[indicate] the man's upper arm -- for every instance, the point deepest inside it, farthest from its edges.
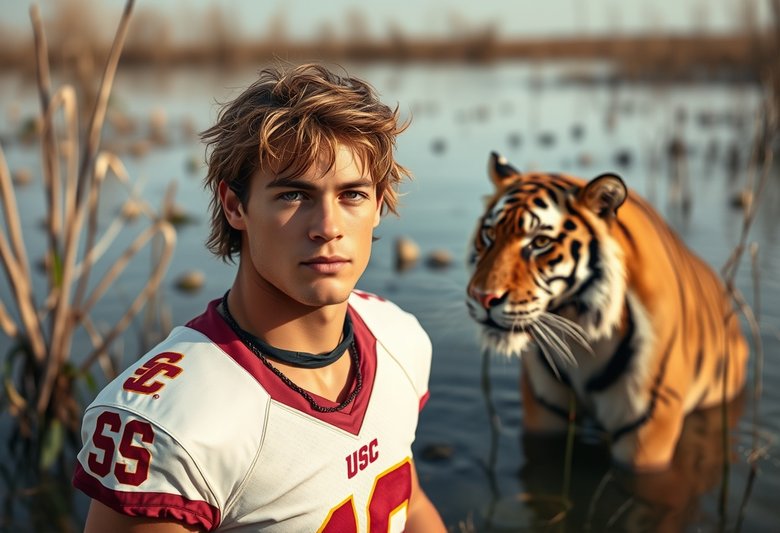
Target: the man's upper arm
(102, 518)
(422, 515)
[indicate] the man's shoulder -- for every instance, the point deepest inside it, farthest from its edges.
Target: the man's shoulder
(389, 323)
(399, 333)
(200, 415)
(370, 304)
(184, 384)
(382, 316)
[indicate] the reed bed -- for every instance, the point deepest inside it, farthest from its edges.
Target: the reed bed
(40, 376)
(756, 179)
(653, 56)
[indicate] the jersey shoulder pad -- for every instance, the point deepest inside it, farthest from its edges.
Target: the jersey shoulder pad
(399, 332)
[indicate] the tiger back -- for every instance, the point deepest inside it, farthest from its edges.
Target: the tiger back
(597, 294)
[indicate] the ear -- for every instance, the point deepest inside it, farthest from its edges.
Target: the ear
(604, 195)
(500, 170)
(231, 206)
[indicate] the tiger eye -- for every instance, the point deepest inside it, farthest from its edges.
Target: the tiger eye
(540, 241)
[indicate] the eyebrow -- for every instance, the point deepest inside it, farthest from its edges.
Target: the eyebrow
(307, 185)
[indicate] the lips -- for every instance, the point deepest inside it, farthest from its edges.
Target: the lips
(326, 264)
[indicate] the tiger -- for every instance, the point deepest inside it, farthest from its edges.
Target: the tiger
(604, 304)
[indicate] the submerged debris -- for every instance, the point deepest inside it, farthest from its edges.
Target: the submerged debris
(190, 281)
(439, 259)
(437, 452)
(406, 253)
(21, 177)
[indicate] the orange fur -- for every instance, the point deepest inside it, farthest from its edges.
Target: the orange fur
(661, 325)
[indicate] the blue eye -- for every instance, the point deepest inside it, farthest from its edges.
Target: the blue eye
(291, 196)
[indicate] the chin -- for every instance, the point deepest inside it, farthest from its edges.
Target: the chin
(326, 294)
(506, 343)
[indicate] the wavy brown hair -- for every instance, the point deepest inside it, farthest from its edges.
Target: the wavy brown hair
(284, 123)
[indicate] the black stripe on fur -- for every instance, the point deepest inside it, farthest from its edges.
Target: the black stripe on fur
(618, 363)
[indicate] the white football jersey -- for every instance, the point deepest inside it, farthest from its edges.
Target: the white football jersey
(200, 431)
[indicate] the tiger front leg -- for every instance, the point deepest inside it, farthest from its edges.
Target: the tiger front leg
(648, 444)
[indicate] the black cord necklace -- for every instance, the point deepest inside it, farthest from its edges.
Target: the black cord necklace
(248, 340)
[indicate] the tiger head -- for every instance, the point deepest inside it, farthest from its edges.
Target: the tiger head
(544, 265)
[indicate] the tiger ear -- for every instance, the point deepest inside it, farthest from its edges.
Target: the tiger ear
(604, 195)
(500, 170)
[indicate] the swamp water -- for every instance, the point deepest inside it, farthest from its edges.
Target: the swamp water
(472, 459)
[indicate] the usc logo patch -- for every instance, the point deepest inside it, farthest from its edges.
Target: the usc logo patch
(143, 379)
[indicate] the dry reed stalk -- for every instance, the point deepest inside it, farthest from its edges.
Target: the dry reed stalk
(765, 132)
(40, 392)
(753, 319)
(6, 323)
(729, 269)
(50, 159)
(99, 111)
(495, 429)
(61, 334)
(16, 267)
(754, 325)
(106, 363)
(169, 235)
(600, 488)
(104, 163)
(95, 250)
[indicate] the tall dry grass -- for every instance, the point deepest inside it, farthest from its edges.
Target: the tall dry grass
(756, 177)
(659, 55)
(40, 375)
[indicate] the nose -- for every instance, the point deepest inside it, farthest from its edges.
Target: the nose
(489, 299)
(326, 223)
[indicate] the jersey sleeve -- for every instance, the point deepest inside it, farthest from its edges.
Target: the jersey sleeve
(175, 434)
(136, 468)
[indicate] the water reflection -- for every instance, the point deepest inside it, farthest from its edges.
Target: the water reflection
(572, 485)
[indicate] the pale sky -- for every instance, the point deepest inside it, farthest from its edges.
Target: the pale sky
(512, 18)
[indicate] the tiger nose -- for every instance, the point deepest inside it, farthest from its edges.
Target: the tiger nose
(490, 299)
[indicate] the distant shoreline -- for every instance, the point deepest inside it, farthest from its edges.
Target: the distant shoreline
(723, 57)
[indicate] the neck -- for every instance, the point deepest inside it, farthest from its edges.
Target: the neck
(266, 312)
(599, 305)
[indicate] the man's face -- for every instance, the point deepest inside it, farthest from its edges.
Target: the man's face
(309, 238)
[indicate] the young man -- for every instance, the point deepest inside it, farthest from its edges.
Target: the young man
(290, 404)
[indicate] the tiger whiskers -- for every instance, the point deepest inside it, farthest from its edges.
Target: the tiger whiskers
(554, 335)
(539, 335)
(548, 332)
(546, 337)
(568, 327)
